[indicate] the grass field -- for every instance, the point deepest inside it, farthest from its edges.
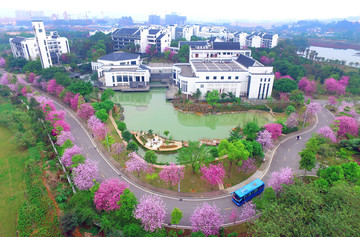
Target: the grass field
(11, 182)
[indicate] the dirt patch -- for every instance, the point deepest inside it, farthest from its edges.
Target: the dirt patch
(48, 190)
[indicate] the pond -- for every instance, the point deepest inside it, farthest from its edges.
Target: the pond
(150, 110)
(349, 55)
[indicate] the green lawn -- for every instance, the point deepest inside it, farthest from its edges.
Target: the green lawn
(11, 182)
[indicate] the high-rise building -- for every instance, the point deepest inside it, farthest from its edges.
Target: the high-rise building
(154, 20)
(48, 48)
(175, 19)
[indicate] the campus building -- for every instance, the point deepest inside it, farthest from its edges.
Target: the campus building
(140, 38)
(224, 67)
(46, 47)
(121, 69)
(256, 39)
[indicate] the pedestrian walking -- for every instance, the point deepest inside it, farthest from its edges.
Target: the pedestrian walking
(297, 137)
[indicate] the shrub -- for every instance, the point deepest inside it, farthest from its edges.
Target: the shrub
(121, 126)
(132, 146)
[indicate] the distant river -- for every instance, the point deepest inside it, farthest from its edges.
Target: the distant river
(349, 55)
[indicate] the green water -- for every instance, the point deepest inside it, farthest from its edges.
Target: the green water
(150, 110)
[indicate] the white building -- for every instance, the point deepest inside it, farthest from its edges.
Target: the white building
(121, 69)
(256, 39)
(105, 31)
(225, 68)
(46, 47)
(141, 38)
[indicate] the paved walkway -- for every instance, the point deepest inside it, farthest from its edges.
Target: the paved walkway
(285, 154)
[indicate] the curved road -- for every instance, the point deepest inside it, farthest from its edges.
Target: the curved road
(284, 155)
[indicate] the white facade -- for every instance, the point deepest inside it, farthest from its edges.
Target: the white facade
(40, 36)
(121, 69)
(257, 39)
(46, 47)
(242, 75)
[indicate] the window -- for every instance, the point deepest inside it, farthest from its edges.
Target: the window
(237, 77)
(201, 86)
(222, 77)
(125, 78)
(40, 30)
(207, 77)
(119, 78)
(229, 77)
(130, 78)
(261, 79)
(214, 77)
(142, 78)
(113, 78)
(137, 78)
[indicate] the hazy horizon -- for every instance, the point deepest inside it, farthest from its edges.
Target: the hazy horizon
(231, 11)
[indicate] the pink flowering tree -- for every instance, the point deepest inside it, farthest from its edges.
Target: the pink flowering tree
(66, 159)
(345, 125)
(274, 129)
(248, 166)
(85, 174)
(68, 96)
(313, 108)
(206, 218)
(151, 211)
(277, 75)
(292, 121)
(334, 86)
(47, 106)
(214, 174)
(172, 174)
(283, 177)
(97, 127)
(264, 138)
(85, 111)
(347, 109)
(60, 126)
(55, 115)
(58, 90)
(309, 87)
(31, 77)
(233, 216)
(74, 102)
(284, 96)
(248, 212)
(51, 86)
(4, 80)
(136, 163)
(108, 195)
(2, 62)
(43, 85)
(117, 148)
(63, 137)
(332, 101)
(327, 132)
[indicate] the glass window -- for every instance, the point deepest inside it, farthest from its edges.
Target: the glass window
(130, 78)
(261, 79)
(201, 86)
(237, 77)
(214, 77)
(125, 78)
(222, 77)
(229, 77)
(119, 78)
(207, 77)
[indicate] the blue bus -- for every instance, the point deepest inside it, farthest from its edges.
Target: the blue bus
(248, 192)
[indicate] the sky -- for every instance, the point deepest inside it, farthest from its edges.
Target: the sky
(217, 10)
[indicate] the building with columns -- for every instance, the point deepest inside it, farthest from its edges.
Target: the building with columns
(224, 67)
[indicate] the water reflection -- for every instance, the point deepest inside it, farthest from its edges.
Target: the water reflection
(150, 110)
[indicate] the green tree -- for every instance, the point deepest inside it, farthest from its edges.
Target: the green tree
(107, 94)
(33, 66)
(126, 135)
(132, 146)
(62, 79)
(176, 216)
(297, 96)
(250, 130)
(308, 160)
(235, 151)
(150, 156)
(121, 125)
(290, 109)
(197, 94)
(266, 198)
(285, 85)
(212, 98)
(133, 230)
(102, 115)
(127, 204)
(81, 87)
(184, 53)
(194, 155)
(166, 133)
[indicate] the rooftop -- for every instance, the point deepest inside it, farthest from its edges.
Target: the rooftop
(193, 44)
(186, 70)
(119, 56)
(217, 66)
(246, 61)
(153, 31)
(226, 46)
(17, 39)
(126, 31)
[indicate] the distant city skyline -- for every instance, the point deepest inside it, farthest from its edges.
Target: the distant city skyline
(227, 11)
